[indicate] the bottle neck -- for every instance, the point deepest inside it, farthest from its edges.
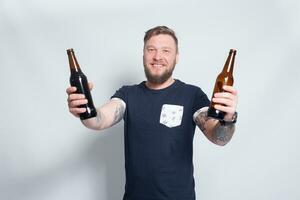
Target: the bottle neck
(74, 66)
(229, 64)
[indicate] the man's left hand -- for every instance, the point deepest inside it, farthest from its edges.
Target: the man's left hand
(226, 101)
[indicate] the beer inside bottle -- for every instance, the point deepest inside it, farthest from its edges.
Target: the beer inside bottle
(79, 80)
(224, 78)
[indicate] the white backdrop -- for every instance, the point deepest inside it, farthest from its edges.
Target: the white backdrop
(47, 154)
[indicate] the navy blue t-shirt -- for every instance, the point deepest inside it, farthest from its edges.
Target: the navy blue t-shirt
(158, 132)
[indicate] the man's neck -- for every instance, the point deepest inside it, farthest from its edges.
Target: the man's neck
(155, 86)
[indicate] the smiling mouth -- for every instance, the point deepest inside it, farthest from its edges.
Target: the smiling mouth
(157, 65)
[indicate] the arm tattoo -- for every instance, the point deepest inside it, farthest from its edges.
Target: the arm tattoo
(221, 135)
(218, 134)
(201, 119)
(119, 112)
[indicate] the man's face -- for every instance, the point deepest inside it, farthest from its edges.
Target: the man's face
(160, 57)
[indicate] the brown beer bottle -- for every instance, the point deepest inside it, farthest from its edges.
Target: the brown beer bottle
(224, 78)
(79, 80)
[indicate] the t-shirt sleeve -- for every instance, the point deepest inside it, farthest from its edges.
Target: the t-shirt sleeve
(200, 100)
(121, 94)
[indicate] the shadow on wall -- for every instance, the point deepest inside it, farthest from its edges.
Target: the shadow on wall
(102, 162)
(99, 164)
(108, 151)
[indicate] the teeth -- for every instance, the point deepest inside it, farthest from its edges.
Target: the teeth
(157, 65)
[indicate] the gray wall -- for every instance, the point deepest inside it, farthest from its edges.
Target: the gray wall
(47, 154)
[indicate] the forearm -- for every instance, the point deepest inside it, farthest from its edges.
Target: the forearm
(213, 129)
(107, 115)
(95, 123)
(222, 134)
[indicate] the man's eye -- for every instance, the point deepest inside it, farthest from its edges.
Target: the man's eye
(150, 50)
(166, 50)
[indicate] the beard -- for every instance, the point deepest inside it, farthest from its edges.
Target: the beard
(159, 79)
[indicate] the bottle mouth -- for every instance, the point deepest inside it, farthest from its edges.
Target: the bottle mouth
(70, 50)
(232, 51)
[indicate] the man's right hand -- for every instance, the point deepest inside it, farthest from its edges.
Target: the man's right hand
(75, 100)
(107, 115)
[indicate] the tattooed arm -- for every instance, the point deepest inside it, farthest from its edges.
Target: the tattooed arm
(216, 132)
(107, 115)
(212, 128)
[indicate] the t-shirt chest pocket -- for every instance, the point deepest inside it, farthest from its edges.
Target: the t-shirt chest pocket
(171, 115)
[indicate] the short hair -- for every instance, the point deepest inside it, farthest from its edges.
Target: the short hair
(160, 30)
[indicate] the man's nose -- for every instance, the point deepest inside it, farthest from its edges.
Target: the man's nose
(157, 55)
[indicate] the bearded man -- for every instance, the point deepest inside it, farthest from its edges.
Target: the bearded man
(160, 116)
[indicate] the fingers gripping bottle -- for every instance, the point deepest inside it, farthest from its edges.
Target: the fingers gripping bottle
(224, 78)
(79, 80)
